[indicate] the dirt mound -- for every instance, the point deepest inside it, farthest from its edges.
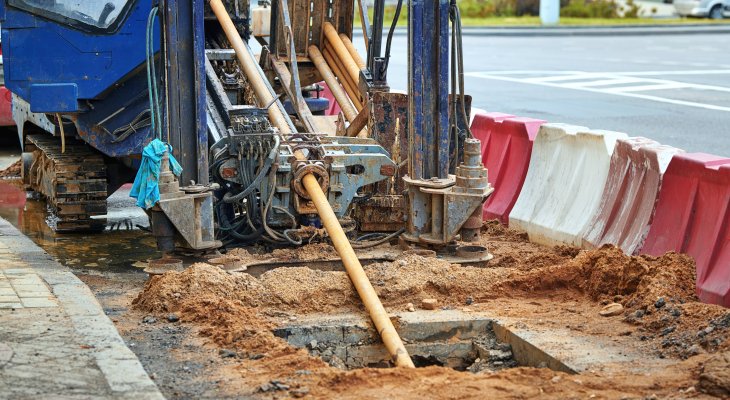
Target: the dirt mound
(496, 230)
(607, 273)
(715, 376)
(12, 171)
(306, 290)
(168, 292)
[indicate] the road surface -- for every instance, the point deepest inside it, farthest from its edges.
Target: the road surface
(674, 89)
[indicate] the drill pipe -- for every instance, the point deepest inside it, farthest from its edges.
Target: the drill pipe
(343, 78)
(353, 51)
(347, 108)
(341, 51)
(352, 265)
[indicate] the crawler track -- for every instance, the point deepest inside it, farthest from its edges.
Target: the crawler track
(73, 182)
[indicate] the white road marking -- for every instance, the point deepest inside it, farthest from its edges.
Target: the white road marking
(644, 88)
(599, 82)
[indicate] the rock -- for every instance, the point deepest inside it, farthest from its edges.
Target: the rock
(639, 313)
(256, 356)
(611, 309)
(660, 302)
(429, 304)
(299, 393)
(666, 331)
(313, 345)
(715, 376)
(225, 353)
(336, 362)
(410, 307)
(292, 318)
(173, 318)
(149, 320)
(469, 301)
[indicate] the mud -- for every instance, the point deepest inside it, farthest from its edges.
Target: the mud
(547, 287)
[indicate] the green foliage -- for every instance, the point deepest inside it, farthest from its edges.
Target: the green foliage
(486, 9)
(591, 9)
(631, 9)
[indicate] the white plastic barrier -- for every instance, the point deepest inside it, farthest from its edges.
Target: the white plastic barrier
(630, 196)
(564, 183)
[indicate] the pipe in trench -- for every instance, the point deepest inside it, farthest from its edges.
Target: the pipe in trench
(354, 269)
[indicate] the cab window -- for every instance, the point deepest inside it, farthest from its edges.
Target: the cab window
(104, 15)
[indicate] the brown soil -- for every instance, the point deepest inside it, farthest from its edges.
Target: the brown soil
(558, 287)
(12, 171)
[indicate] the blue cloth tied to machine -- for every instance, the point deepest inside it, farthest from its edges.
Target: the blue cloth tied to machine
(146, 188)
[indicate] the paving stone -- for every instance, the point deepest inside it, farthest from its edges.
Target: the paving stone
(35, 302)
(63, 345)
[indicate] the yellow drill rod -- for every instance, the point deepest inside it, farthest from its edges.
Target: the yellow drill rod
(342, 53)
(353, 51)
(329, 77)
(347, 108)
(352, 265)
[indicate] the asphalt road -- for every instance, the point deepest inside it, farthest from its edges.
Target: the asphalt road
(674, 89)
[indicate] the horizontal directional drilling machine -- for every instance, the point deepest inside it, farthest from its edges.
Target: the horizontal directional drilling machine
(247, 155)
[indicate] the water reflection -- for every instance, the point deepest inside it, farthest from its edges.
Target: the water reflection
(111, 249)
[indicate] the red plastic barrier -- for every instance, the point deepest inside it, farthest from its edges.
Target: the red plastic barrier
(6, 109)
(334, 108)
(506, 148)
(630, 195)
(693, 217)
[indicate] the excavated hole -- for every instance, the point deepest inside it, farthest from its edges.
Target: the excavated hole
(452, 341)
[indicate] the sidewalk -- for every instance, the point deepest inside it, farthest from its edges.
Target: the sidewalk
(55, 340)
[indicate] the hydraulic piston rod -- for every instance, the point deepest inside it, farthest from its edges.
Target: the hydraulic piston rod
(352, 265)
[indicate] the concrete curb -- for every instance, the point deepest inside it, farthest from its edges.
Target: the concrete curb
(611, 30)
(124, 374)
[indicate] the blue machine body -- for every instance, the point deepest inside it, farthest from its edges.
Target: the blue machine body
(95, 78)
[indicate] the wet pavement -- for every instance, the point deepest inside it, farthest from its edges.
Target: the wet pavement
(122, 246)
(55, 340)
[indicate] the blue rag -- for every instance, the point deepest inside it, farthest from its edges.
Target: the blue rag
(146, 187)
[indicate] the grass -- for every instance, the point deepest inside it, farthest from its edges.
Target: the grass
(527, 21)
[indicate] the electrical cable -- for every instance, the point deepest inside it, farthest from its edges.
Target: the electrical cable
(384, 68)
(356, 245)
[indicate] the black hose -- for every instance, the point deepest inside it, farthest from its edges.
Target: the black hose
(356, 245)
(388, 42)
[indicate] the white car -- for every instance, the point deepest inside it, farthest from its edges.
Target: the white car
(714, 9)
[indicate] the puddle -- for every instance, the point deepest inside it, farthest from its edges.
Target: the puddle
(117, 248)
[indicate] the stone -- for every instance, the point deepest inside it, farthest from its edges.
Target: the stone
(299, 393)
(313, 345)
(469, 301)
(410, 307)
(429, 304)
(660, 302)
(173, 318)
(666, 331)
(611, 310)
(149, 320)
(225, 353)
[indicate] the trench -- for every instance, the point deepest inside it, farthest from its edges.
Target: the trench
(443, 338)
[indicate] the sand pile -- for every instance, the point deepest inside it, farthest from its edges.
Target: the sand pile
(201, 282)
(607, 273)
